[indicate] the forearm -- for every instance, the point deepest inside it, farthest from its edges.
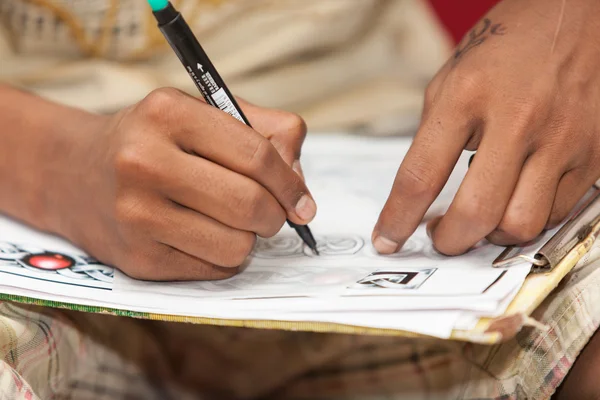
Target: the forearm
(36, 137)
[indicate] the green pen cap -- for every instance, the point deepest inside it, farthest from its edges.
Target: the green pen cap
(158, 5)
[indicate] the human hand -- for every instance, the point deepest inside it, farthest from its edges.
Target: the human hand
(523, 89)
(174, 189)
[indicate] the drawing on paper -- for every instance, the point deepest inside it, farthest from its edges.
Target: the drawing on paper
(334, 245)
(281, 246)
(284, 279)
(46, 265)
(395, 279)
(337, 245)
(291, 246)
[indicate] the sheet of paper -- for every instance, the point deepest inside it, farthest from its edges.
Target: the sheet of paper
(427, 322)
(350, 178)
(325, 278)
(34, 260)
(466, 321)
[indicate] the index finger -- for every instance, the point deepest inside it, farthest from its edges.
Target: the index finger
(218, 137)
(285, 130)
(422, 174)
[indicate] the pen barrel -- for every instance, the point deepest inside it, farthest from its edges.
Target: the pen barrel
(204, 74)
(196, 62)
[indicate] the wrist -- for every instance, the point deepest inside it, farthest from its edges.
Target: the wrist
(40, 149)
(60, 169)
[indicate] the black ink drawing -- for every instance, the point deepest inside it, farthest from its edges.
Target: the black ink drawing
(42, 264)
(340, 246)
(390, 279)
(478, 35)
(336, 246)
(291, 246)
(281, 246)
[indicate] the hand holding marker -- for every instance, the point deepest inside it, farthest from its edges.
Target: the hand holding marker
(205, 76)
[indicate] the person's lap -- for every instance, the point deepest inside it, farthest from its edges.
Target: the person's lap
(582, 380)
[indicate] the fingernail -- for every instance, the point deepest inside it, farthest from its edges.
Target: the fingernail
(306, 208)
(297, 167)
(384, 245)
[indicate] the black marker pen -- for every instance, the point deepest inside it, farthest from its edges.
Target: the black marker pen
(205, 76)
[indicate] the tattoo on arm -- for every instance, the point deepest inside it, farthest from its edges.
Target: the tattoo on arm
(478, 35)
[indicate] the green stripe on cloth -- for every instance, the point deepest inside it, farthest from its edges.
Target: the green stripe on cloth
(74, 307)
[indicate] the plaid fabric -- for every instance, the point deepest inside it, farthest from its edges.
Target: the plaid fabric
(57, 354)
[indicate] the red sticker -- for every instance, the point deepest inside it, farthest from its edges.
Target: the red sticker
(49, 261)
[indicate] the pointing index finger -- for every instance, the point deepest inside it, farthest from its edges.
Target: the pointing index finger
(422, 175)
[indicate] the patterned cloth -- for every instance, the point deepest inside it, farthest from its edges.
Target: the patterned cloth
(359, 65)
(57, 354)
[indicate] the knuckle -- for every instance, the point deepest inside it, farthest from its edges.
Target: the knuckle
(519, 227)
(261, 157)
(156, 104)
(416, 180)
(133, 161)
(240, 248)
(129, 159)
(466, 84)
(275, 226)
(250, 203)
(294, 124)
(480, 212)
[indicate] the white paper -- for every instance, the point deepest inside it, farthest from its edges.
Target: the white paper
(433, 323)
(416, 289)
(466, 321)
(350, 178)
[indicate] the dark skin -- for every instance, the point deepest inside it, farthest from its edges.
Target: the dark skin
(522, 89)
(139, 191)
(532, 123)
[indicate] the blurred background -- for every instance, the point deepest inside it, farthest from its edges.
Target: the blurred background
(359, 66)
